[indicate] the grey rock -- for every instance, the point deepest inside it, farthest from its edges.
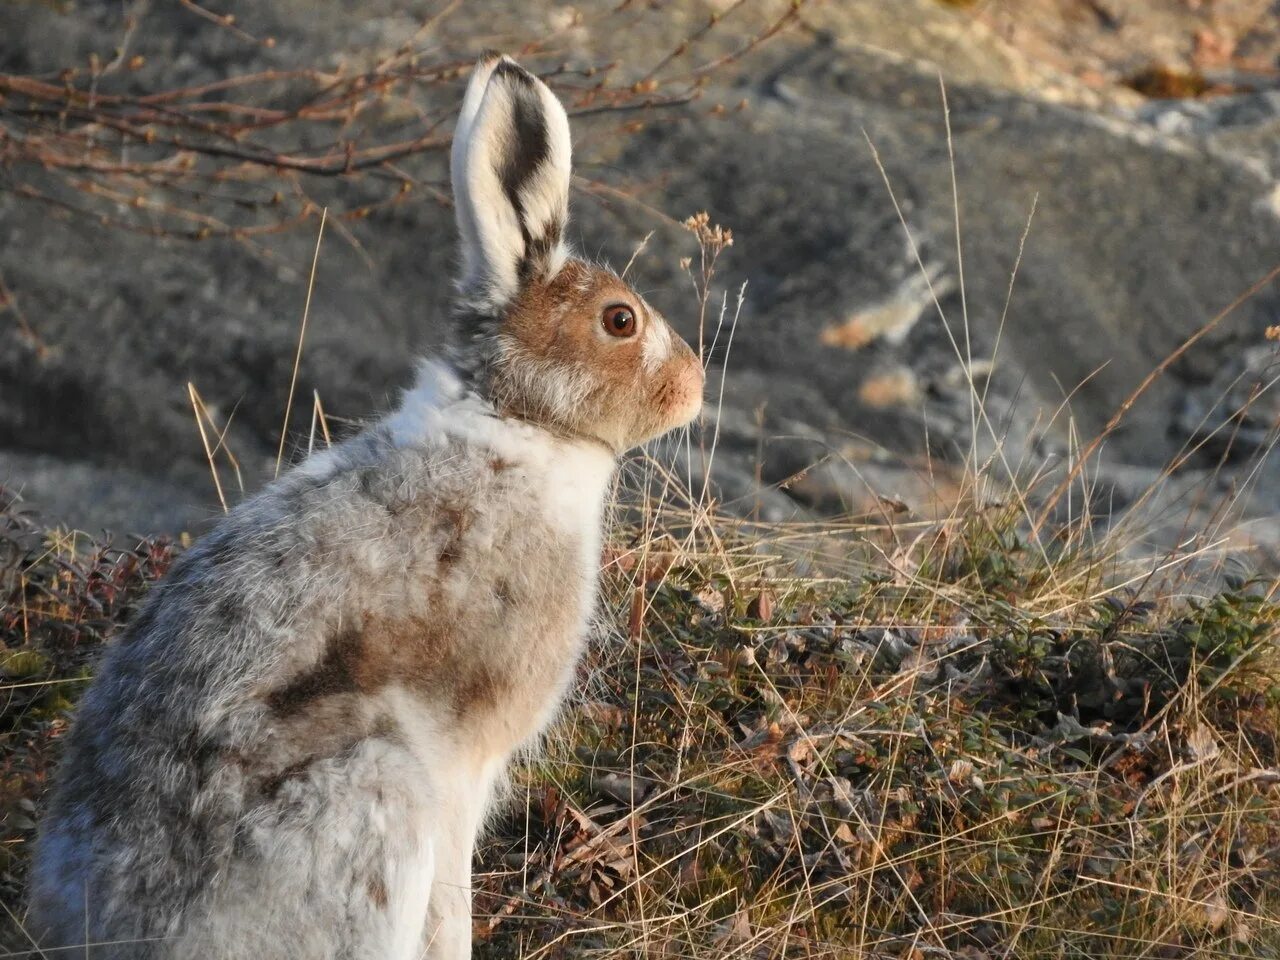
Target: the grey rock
(1148, 222)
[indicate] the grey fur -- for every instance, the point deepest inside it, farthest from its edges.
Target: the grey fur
(197, 746)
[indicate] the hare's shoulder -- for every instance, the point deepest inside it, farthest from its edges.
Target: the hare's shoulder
(466, 587)
(374, 567)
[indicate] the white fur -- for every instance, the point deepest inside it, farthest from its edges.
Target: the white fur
(569, 479)
(658, 344)
(494, 258)
(489, 225)
(420, 414)
(544, 198)
(571, 475)
(463, 205)
(554, 387)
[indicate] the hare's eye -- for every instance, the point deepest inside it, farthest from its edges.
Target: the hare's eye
(619, 321)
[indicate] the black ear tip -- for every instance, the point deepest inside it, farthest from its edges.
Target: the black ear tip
(487, 57)
(509, 70)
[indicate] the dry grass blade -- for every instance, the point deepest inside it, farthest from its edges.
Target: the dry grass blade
(1158, 371)
(302, 335)
(319, 419)
(202, 414)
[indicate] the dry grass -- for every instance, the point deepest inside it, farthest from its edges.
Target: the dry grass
(845, 740)
(819, 743)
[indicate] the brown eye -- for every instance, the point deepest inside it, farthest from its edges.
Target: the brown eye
(619, 321)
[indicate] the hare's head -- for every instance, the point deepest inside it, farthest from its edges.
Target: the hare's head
(551, 338)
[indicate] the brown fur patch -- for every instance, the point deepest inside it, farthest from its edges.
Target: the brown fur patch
(479, 690)
(327, 726)
(415, 652)
(329, 729)
(558, 320)
(454, 523)
(336, 673)
(503, 591)
(500, 464)
(378, 892)
(271, 784)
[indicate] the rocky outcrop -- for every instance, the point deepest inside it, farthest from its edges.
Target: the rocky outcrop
(859, 345)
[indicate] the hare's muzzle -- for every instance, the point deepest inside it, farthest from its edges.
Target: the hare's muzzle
(681, 392)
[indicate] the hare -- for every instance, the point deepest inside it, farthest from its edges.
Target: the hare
(289, 753)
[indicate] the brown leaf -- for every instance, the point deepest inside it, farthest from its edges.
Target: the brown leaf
(624, 558)
(635, 620)
(761, 606)
(657, 565)
(551, 805)
(710, 599)
(766, 738)
(800, 749)
(618, 786)
(608, 715)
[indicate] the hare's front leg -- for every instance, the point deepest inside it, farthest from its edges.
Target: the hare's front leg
(449, 910)
(448, 933)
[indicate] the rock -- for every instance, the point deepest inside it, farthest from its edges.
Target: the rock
(847, 382)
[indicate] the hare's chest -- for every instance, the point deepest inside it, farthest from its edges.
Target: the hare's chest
(529, 552)
(508, 597)
(513, 644)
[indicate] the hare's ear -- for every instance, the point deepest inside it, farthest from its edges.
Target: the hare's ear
(510, 180)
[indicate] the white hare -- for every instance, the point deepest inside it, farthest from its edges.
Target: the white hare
(290, 751)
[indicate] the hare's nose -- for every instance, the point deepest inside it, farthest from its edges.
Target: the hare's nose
(685, 354)
(688, 381)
